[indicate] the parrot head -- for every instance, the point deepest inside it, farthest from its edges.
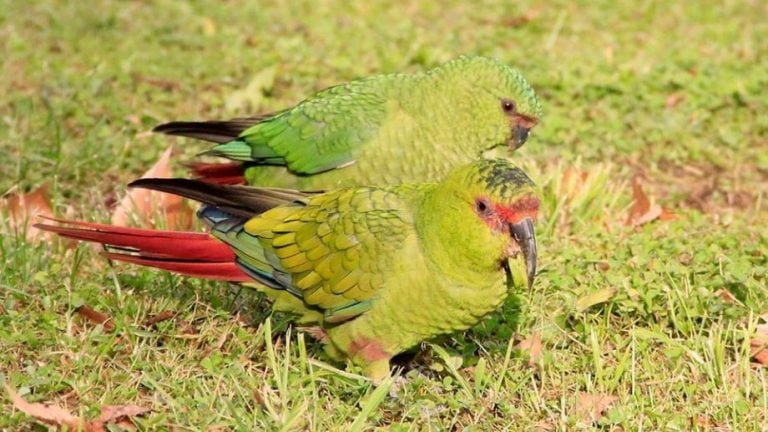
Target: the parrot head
(506, 203)
(491, 205)
(501, 94)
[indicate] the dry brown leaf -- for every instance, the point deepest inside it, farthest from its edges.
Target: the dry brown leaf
(726, 295)
(544, 426)
(49, 414)
(667, 215)
(154, 209)
(532, 346)
(520, 20)
(164, 84)
(160, 317)
(60, 417)
(758, 346)
(133, 119)
(120, 413)
(22, 209)
(674, 99)
(96, 317)
(591, 408)
(573, 180)
(705, 422)
(642, 210)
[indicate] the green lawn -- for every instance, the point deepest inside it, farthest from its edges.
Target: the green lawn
(671, 94)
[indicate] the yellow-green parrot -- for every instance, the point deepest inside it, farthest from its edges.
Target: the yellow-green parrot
(378, 269)
(386, 129)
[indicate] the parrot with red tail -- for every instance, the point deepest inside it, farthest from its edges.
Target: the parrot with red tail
(377, 269)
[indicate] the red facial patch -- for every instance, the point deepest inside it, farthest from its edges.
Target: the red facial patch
(367, 349)
(525, 208)
(525, 121)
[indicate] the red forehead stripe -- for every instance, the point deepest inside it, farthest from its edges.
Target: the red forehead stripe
(514, 213)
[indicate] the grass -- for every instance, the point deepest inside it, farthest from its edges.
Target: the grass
(673, 94)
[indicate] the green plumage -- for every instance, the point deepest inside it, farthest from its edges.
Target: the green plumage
(380, 269)
(387, 129)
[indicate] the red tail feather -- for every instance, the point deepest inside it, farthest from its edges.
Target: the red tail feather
(219, 173)
(187, 253)
(226, 271)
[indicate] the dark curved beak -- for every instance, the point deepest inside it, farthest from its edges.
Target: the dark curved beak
(519, 136)
(525, 237)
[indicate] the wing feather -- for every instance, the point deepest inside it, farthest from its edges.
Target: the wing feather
(325, 255)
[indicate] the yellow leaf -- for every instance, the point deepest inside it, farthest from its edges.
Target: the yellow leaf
(209, 27)
(595, 298)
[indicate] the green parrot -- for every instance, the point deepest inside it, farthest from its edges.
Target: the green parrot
(386, 129)
(376, 269)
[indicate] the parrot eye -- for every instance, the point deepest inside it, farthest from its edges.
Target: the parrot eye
(483, 207)
(508, 106)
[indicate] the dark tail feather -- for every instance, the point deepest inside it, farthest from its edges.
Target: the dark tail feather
(215, 131)
(187, 253)
(219, 173)
(241, 201)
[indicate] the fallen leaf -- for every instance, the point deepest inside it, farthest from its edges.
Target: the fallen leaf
(642, 210)
(705, 422)
(21, 210)
(591, 408)
(209, 27)
(595, 298)
(758, 345)
(520, 20)
(60, 417)
(49, 414)
(544, 426)
(187, 328)
(164, 84)
(120, 413)
(160, 317)
(532, 346)
(96, 317)
(667, 215)
(726, 295)
(133, 119)
(572, 182)
(154, 209)
(603, 266)
(674, 100)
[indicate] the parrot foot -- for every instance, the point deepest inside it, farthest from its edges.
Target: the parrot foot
(377, 370)
(317, 333)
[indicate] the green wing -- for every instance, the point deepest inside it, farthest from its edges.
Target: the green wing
(319, 134)
(334, 252)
